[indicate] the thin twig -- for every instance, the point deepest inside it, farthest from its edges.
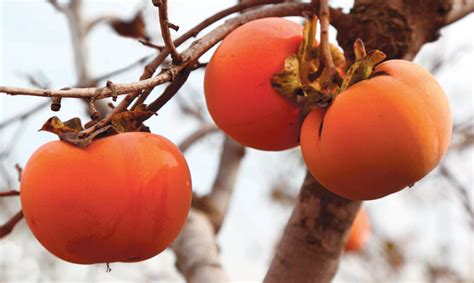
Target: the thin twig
(324, 47)
(7, 228)
(122, 70)
(462, 191)
(170, 91)
(152, 45)
(150, 69)
(165, 26)
(12, 193)
(196, 50)
(24, 115)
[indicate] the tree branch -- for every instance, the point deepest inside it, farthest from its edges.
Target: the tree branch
(11, 193)
(314, 236)
(324, 47)
(216, 203)
(7, 228)
(165, 29)
(462, 192)
(460, 9)
(203, 131)
(197, 253)
(196, 50)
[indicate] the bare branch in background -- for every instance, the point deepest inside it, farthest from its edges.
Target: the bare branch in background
(152, 45)
(197, 253)
(200, 133)
(113, 73)
(462, 192)
(216, 203)
(23, 115)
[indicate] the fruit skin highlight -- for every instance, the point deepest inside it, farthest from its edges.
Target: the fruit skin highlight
(359, 233)
(123, 198)
(237, 86)
(379, 135)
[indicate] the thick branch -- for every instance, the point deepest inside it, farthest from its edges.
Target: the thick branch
(398, 28)
(197, 253)
(460, 9)
(218, 199)
(314, 236)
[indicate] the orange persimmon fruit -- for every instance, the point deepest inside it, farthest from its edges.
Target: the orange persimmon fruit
(379, 135)
(124, 198)
(359, 233)
(238, 90)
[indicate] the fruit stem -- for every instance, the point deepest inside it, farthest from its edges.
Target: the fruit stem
(305, 49)
(363, 65)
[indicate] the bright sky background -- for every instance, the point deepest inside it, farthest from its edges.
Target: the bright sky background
(34, 40)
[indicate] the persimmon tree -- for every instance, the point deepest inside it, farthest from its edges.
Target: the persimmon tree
(316, 233)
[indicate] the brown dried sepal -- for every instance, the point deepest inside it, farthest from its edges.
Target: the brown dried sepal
(363, 66)
(70, 131)
(303, 80)
(130, 121)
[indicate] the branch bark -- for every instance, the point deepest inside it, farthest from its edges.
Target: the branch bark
(396, 27)
(197, 49)
(314, 236)
(165, 29)
(11, 193)
(196, 249)
(7, 228)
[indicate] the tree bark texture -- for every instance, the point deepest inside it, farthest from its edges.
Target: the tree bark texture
(314, 236)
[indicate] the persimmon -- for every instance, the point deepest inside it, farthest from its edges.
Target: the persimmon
(237, 86)
(359, 233)
(379, 135)
(123, 198)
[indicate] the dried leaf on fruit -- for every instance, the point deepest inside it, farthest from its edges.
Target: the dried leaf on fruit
(130, 121)
(70, 131)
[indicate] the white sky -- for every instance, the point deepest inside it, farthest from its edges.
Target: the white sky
(34, 39)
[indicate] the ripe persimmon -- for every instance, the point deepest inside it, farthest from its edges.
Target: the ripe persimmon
(359, 233)
(123, 198)
(379, 135)
(238, 89)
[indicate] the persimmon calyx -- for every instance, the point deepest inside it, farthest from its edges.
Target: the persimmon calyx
(303, 80)
(72, 130)
(363, 65)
